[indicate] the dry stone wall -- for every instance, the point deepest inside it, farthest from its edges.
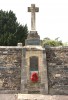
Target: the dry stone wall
(10, 69)
(57, 63)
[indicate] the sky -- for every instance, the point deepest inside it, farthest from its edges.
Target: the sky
(51, 20)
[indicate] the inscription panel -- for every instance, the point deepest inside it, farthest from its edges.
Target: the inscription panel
(33, 63)
(32, 42)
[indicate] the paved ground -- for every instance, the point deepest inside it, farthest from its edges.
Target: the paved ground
(41, 97)
(32, 97)
(8, 97)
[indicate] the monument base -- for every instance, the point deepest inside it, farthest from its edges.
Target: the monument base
(33, 38)
(34, 55)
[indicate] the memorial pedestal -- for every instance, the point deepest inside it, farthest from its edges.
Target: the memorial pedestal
(33, 38)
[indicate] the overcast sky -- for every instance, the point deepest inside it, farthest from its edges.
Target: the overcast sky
(51, 20)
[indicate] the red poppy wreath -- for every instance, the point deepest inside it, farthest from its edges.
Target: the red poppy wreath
(34, 77)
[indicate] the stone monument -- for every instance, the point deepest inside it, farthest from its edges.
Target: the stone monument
(33, 9)
(32, 68)
(35, 60)
(33, 37)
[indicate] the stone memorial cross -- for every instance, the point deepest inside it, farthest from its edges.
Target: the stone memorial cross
(33, 9)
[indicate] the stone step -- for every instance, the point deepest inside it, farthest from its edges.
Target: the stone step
(32, 97)
(41, 97)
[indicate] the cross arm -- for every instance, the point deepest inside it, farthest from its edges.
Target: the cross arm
(29, 9)
(36, 9)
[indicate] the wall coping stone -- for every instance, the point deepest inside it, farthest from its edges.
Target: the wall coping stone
(35, 47)
(11, 47)
(57, 47)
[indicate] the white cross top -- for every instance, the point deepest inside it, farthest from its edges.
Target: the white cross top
(33, 9)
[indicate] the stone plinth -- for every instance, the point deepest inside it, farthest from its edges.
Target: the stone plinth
(42, 86)
(33, 38)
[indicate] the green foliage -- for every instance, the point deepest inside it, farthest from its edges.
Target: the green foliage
(49, 42)
(11, 32)
(65, 44)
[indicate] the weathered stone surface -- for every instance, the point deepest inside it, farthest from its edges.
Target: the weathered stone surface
(33, 10)
(42, 85)
(41, 97)
(33, 38)
(10, 69)
(15, 73)
(32, 42)
(33, 35)
(8, 97)
(57, 63)
(32, 97)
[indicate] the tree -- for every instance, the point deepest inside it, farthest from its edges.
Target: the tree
(11, 32)
(49, 42)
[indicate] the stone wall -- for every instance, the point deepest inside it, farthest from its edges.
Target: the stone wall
(14, 69)
(57, 63)
(10, 69)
